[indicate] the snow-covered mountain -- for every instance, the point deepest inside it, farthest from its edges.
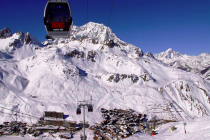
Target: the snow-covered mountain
(94, 64)
(18, 45)
(197, 64)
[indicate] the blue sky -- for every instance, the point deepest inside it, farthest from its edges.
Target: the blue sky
(152, 25)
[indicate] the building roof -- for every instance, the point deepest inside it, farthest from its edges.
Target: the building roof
(48, 127)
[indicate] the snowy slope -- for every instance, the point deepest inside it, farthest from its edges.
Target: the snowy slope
(18, 45)
(114, 73)
(197, 64)
(198, 129)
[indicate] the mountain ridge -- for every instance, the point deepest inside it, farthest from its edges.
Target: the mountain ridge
(114, 73)
(196, 64)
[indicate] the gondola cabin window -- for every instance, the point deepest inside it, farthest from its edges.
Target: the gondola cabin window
(57, 16)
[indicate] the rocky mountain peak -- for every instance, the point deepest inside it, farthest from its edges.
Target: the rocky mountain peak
(197, 64)
(149, 54)
(169, 50)
(204, 54)
(27, 38)
(168, 54)
(6, 32)
(112, 73)
(20, 33)
(96, 31)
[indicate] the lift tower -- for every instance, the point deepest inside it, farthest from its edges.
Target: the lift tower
(83, 104)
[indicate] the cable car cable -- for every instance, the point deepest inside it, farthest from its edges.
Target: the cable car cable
(103, 42)
(17, 115)
(7, 113)
(85, 39)
(110, 12)
(104, 38)
(19, 112)
(87, 12)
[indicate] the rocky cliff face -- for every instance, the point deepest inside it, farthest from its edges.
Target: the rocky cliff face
(18, 45)
(149, 54)
(27, 38)
(5, 33)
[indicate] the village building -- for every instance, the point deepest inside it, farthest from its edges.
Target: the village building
(97, 137)
(107, 136)
(120, 123)
(1, 133)
(6, 123)
(52, 114)
(50, 128)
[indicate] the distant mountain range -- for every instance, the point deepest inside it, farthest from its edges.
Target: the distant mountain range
(94, 63)
(197, 64)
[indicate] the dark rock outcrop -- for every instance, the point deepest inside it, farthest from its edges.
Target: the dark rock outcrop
(91, 55)
(139, 52)
(117, 77)
(95, 41)
(123, 76)
(82, 38)
(114, 78)
(20, 33)
(111, 43)
(27, 39)
(16, 43)
(134, 78)
(146, 77)
(6, 32)
(72, 39)
(75, 53)
(149, 54)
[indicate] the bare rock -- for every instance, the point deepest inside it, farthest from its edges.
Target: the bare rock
(27, 38)
(123, 76)
(139, 52)
(109, 43)
(149, 54)
(91, 55)
(6, 32)
(114, 78)
(75, 53)
(20, 33)
(15, 43)
(82, 38)
(134, 78)
(95, 41)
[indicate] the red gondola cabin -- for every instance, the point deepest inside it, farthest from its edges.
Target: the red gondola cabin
(78, 111)
(90, 108)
